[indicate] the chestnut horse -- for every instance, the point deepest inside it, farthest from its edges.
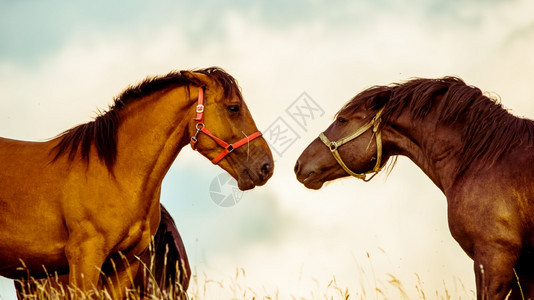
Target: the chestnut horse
(479, 155)
(77, 201)
(164, 267)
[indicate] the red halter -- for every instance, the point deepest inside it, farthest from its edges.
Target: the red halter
(228, 148)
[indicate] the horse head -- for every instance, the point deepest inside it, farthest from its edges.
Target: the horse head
(224, 132)
(351, 145)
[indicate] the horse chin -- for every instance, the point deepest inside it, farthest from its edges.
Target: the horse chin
(244, 186)
(246, 182)
(313, 185)
(311, 181)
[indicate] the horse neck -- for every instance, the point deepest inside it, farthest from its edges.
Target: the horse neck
(431, 147)
(153, 130)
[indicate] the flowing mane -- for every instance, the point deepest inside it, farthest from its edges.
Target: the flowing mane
(102, 131)
(488, 129)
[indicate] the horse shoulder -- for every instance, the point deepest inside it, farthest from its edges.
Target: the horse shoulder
(489, 206)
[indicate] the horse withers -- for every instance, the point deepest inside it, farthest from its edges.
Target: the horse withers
(478, 154)
(75, 202)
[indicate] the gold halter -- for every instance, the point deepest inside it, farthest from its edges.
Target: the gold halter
(333, 145)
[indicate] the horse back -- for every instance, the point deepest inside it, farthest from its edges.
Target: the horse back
(29, 215)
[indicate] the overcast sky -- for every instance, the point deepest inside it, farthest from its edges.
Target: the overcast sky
(60, 62)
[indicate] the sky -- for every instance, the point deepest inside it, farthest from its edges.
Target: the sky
(61, 62)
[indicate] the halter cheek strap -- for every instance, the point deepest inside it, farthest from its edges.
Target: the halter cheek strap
(334, 145)
(228, 148)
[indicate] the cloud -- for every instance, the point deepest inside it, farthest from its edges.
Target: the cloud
(257, 220)
(78, 60)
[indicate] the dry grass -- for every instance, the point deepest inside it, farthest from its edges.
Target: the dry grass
(54, 288)
(390, 287)
(236, 286)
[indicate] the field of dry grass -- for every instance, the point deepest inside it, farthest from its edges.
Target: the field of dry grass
(237, 286)
(389, 287)
(366, 284)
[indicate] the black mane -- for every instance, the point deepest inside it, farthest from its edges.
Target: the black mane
(102, 131)
(489, 130)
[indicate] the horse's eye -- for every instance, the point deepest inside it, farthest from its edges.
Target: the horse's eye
(341, 120)
(233, 108)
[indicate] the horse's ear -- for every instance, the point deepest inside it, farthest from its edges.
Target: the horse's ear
(198, 79)
(381, 98)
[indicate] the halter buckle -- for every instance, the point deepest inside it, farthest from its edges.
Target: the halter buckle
(200, 108)
(230, 148)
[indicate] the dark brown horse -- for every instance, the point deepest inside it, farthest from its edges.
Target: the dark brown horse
(77, 201)
(478, 154)
(164, 268)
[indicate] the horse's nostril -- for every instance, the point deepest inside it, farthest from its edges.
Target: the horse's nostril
(297, 167)
(266, 169)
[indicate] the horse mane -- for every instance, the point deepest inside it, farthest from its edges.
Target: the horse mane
(102, 131)
(488, 129)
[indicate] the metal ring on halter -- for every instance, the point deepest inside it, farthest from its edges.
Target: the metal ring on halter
(333, 146)
(199, 127)
(200, 108)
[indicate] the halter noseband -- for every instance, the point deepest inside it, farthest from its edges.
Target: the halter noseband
(228, 148)
(333, 145)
